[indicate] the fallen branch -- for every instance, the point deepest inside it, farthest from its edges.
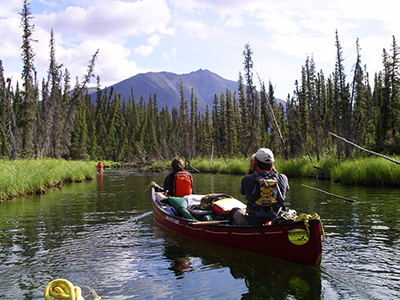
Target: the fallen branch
(160, 156)
(193, 168)
(333, 195)
(369, 151)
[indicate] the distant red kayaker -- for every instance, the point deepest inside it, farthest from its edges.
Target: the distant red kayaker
(99, 166)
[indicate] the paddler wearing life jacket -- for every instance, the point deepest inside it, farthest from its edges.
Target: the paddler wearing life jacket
(264, 188)
(99, 166)
(179, 182)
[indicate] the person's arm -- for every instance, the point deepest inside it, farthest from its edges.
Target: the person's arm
(241, 187)
(283, 185)
(168, 183)
(240, 190)
(251, 169)
(191, 181)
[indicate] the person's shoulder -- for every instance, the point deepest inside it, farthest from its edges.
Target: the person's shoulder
(249, 177)
(282, 178)
(281, 175)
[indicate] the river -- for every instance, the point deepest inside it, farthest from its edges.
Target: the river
(102, 234)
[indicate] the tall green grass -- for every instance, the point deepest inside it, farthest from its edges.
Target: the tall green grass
(297, 167)
(364, 171)
(367, 171)
(21, 177)
(221, 165)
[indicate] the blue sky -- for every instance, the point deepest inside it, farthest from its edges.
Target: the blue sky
(182, 36)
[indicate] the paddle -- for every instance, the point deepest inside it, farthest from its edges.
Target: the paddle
(209, 222)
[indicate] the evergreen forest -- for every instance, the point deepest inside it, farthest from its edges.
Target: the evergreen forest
(56, 118)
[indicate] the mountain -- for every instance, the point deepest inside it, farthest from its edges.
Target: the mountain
(205, 85)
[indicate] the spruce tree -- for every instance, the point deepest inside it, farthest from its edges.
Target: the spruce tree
(4, 115)
(78, 149)
(395, 94)
(207, 133)
(150, 139)
(216, 125)
(252, 103)
(359, 113)
(192, 126)
(231, 140)
(29, 94)
(183, 125)
(342, 99)
(244, 117)
(303, 116)
(50, 108)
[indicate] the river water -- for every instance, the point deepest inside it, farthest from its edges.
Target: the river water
(102, 234)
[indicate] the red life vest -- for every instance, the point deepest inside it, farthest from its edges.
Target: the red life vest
(183, 184)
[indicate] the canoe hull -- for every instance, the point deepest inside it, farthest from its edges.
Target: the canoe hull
(289, 241)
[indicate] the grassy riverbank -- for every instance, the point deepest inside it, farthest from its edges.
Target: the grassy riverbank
(23, 177)
(20, 177)
(365, 171)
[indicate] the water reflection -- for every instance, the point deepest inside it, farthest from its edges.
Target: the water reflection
(264, 277)
(180, 260)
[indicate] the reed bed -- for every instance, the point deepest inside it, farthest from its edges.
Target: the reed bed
(367, 171)
(374, 171)
(20, 177)
(221, 165)
(295, 168)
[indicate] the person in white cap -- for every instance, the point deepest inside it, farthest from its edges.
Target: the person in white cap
(252, 166)
(264, 188)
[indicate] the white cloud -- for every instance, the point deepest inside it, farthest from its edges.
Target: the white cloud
(111, 20)
(171, 56)
(112, 64)
(281, 34)
(81, 30)
(8, 8)
(194, 29)
(235, 20)
(11, 38)
(144, 50)
(154, 40)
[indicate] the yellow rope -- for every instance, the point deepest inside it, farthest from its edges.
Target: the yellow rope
(306, 219)
(152, 184)
(63, 289)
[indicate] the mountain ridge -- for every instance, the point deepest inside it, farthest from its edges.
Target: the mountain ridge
(166, 86)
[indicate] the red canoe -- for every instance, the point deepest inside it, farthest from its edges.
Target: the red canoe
(290, 241)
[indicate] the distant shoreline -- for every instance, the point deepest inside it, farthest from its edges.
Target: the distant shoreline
(25, 177)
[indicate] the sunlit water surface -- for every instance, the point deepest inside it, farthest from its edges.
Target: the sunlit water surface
(102, 234)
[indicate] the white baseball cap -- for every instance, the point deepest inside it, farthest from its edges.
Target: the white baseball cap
(264, 155)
